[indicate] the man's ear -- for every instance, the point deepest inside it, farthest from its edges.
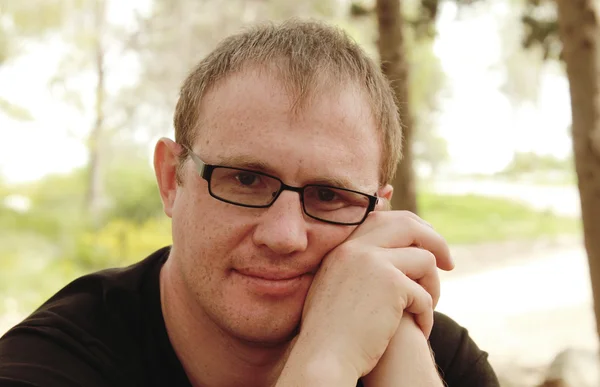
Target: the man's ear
(166, 155)
(385, 198)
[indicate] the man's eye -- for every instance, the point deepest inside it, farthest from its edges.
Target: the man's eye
(326, 195)
(247, 178)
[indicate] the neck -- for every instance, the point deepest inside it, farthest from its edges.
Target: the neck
(210, 356)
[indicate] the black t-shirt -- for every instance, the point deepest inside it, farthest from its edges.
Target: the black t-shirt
(107, 330)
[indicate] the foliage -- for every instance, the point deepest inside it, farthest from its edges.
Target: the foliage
(421, 16)
(30, 271)
(187, 30)
(541, 25)
(54, 206)
(522, 68)
(14, 111)
(126, 110)
(21, 21)
(131, 187)
(426, 77)
(51, 241)
(119, 242)
(58, 200)
(33, 267)
(29, 19)
(529, 39)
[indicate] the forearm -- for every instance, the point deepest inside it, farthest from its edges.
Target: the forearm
(407, 362)
(306, 367)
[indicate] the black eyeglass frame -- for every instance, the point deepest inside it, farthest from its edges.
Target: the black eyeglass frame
(206, 170)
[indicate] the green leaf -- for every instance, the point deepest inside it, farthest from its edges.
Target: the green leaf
(14, 111)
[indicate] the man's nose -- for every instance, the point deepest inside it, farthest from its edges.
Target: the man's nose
(282, 227)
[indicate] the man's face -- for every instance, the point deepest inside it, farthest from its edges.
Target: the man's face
(220, 249)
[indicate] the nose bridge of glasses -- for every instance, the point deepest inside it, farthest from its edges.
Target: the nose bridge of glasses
(286, 187)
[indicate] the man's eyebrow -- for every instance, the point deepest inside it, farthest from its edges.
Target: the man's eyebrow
(338, 182)
(246, 162)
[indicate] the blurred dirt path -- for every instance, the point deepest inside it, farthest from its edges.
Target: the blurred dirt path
(522, 302)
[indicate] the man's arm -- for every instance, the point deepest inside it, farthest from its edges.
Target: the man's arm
(318, 367)
(459, 359)
(407, 360)
(456, 357)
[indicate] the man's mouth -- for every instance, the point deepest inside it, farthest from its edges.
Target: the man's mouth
(272, 282)
(271, 275)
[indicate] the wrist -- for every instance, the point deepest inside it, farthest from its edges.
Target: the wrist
(310, 366)
(408, 360)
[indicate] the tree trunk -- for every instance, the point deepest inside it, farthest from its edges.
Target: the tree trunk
(93, 198)
(395, 67)
(580, 34)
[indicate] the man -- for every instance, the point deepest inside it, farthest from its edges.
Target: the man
(284, 270)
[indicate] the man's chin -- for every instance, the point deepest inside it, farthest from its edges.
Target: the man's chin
(268, 336)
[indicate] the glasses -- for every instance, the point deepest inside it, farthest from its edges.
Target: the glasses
(247, 188)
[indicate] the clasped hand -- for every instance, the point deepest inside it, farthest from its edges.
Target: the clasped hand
(386, 269)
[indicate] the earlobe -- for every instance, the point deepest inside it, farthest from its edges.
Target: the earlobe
(386, 192)
(165, 168)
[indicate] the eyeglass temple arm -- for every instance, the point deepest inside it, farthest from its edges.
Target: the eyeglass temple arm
(199, 163)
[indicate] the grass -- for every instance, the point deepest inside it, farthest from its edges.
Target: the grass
(469, 219)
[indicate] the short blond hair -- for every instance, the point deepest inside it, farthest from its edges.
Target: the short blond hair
(300, 52)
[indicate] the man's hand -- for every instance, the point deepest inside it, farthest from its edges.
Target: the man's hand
(386, 266)
(425, 238)
(407, 361)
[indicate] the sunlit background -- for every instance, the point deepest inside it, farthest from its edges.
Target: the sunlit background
(493, 148)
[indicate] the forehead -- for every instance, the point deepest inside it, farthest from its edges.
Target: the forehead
(251, 115)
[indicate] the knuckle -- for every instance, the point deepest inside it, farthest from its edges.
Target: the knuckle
(422, 299)
(352, 252)
(398, 278)
(401, 284)
(406, 213)
(347, 250)
(410, 218)
(428, 300)
(378, 216)
(412, 222)
(429, 258)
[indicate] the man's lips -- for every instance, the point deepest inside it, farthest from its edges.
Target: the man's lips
(272, 275)
(273, 283)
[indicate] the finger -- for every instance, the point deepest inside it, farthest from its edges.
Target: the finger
(418, 265)
(416, 217)
(387, 207)
(419, 303)
(396, 229)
